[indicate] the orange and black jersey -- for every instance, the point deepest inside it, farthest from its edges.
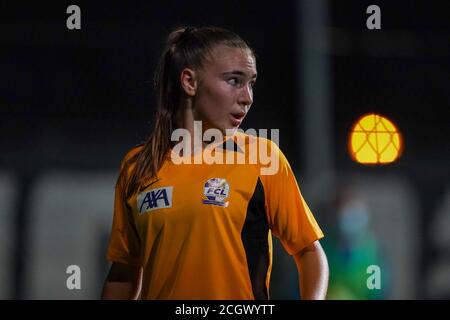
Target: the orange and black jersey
(203, 231)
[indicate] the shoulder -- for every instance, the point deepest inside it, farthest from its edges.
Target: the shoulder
(133, 152)
(246, 139)
(130, 156)
(264, 152)
(127, 165)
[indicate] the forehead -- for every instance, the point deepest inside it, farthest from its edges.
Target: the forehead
(226, 59)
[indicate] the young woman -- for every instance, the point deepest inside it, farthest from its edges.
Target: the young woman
(187, 229)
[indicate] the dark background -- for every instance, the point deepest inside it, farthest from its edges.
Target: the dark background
(92, 88)
(79, 99)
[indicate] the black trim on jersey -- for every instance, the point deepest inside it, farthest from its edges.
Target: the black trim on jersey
(149, 184)
(235, 146)
(255, 239)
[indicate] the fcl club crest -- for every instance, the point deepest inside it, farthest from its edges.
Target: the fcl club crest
(216, 190)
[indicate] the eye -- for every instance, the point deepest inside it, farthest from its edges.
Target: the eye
(233, 81)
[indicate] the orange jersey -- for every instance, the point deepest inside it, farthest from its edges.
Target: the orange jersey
(203, 231)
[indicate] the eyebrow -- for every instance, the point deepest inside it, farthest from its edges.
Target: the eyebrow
(238, 73)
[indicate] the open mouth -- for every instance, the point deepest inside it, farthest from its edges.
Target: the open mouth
(236, 118)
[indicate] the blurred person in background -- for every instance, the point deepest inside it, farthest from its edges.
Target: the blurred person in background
(352, 247)
(203, 231)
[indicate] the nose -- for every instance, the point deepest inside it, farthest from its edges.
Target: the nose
(246, 96)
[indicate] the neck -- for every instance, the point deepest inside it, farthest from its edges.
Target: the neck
(187, 120)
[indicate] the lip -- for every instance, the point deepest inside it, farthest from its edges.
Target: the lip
(236, 118)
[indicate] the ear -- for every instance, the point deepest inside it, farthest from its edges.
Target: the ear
(189, 81)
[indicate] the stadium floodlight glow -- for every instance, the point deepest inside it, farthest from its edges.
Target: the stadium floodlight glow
(374, 140)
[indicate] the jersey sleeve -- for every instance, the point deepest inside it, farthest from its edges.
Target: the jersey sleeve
(124, 244)
(289, 216)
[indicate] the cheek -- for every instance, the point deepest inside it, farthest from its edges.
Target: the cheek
(218, 99)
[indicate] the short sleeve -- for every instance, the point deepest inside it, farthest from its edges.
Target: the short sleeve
(289, 216)
(124, 243)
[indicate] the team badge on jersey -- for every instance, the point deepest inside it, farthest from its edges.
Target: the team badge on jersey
(154, 199)
(216, 191)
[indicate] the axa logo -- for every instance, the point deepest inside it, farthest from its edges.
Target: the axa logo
(154, 199)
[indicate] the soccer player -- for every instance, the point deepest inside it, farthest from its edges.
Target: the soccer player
(187, 229)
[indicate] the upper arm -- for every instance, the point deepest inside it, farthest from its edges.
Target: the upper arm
(123, 282)
(120, 272)
(313, 247)
(289, 216)
(124, 241)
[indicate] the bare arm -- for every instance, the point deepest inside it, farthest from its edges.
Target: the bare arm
(312, 266)
(123, 282)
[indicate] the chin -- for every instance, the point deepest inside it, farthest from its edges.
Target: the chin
(227, 128)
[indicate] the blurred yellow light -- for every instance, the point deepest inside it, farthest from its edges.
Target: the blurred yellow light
(374, 139)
